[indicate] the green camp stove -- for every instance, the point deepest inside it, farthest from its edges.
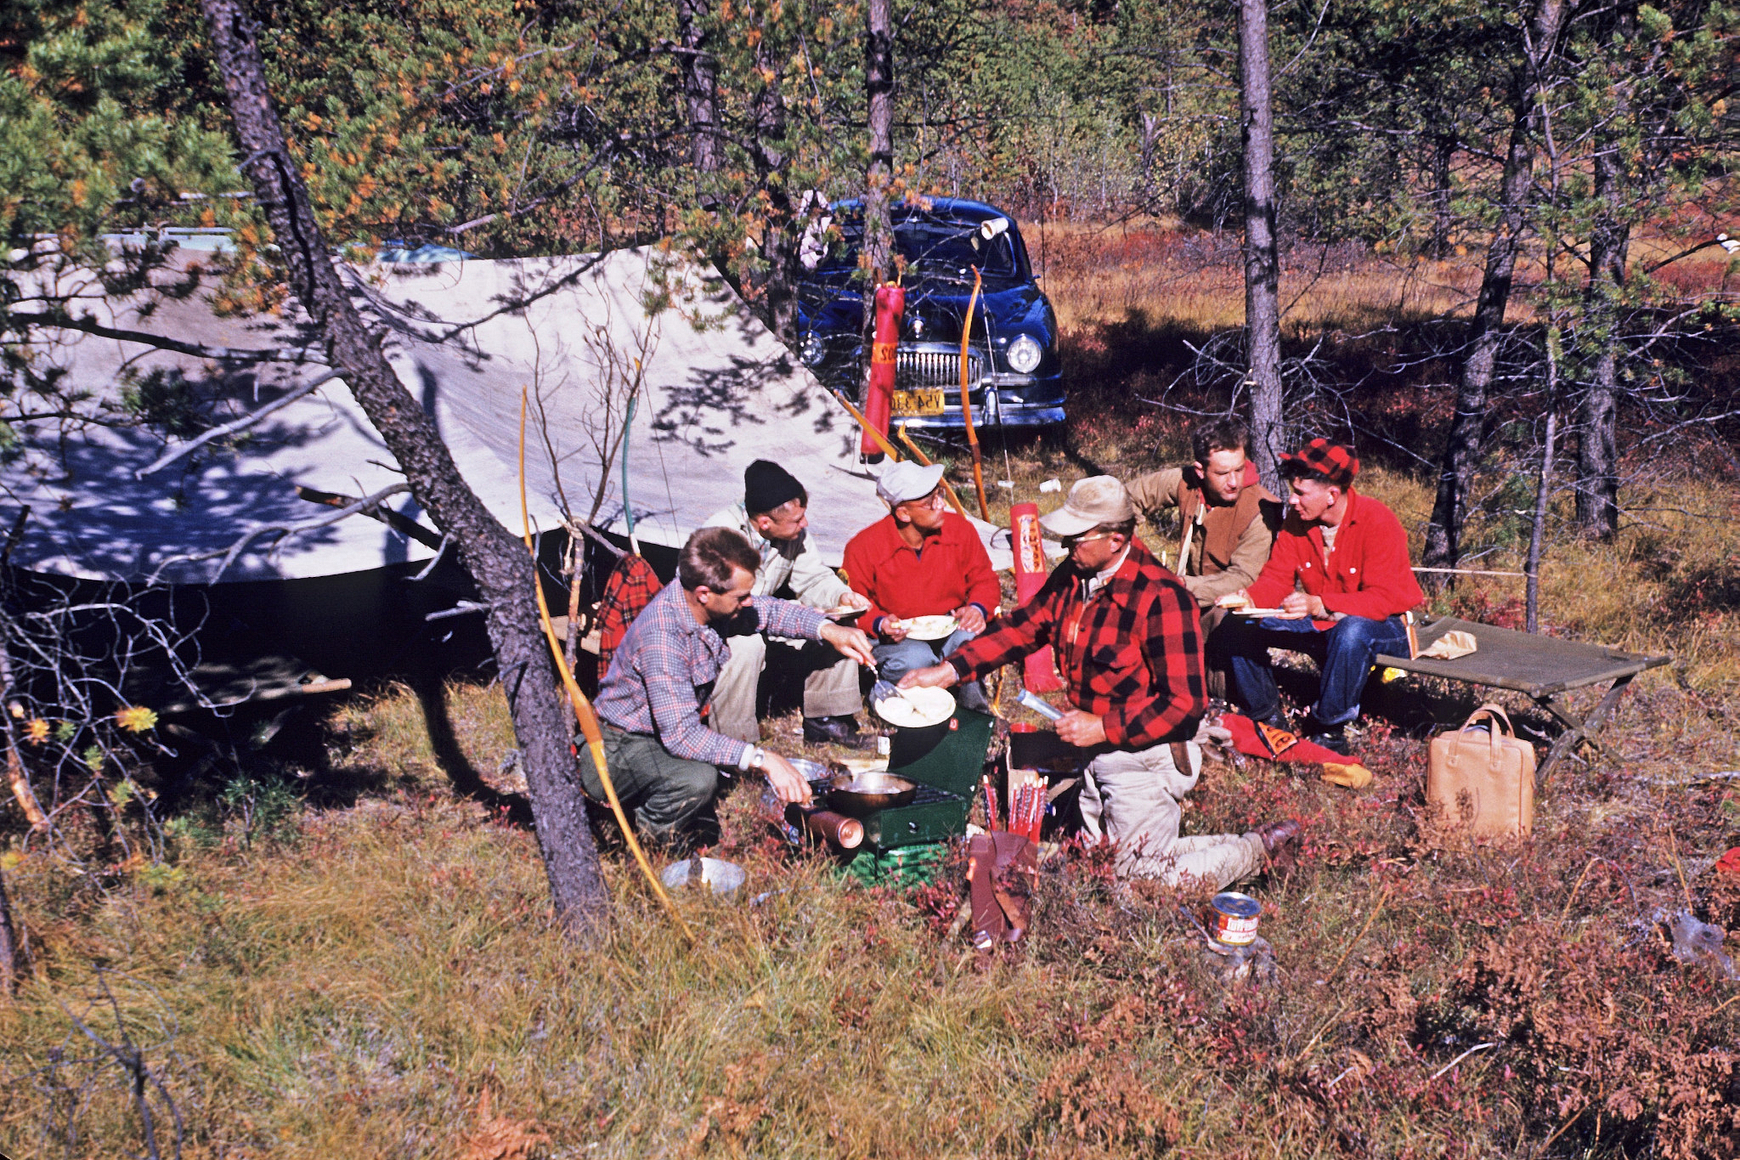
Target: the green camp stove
(906, 844)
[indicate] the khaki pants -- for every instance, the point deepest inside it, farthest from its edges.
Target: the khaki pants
(1131, 798)
(830, 683)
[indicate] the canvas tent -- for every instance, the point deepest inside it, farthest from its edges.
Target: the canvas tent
(716, 390)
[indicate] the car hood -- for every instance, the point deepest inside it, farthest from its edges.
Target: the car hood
(934, 312)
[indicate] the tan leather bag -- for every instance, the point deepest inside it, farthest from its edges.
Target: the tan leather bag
(1483, 782)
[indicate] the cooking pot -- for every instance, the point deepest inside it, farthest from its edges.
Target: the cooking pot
(858, 794)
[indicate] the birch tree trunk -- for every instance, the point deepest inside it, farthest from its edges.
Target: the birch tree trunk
(497, 562)
(1597, 455)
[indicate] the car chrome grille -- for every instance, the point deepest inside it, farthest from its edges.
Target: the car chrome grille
(935, 367)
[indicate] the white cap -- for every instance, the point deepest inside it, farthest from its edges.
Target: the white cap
(907, 480)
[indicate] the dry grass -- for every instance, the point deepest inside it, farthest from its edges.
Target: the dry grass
(359, 992)
(1174, 275)
(386, 981)
(1099, 274)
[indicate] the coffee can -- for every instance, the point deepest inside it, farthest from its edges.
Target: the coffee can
(1235, 918)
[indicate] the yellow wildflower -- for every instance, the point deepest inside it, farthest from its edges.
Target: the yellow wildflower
(36, 732)
(135, 718)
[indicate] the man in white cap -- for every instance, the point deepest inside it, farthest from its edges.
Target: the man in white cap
(1128, 642)
(921, 560)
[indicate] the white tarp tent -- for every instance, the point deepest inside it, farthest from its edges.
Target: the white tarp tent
(717, 390)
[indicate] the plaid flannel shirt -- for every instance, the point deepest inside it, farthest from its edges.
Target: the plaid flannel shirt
(1132, 654)
(664, 670)
(630, 588)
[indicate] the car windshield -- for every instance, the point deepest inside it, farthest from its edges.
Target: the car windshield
(937, 248)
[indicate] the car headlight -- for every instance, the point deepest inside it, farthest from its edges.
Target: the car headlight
(1024, 355)
(814, 350)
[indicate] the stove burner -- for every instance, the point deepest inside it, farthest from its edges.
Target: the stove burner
(927, 794)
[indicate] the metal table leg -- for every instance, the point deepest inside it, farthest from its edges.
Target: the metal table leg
(1576, 730)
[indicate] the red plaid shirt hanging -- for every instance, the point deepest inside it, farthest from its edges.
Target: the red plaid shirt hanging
(630, 588)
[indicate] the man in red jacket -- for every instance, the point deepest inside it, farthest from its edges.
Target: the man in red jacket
(1349, 555)
(922, 560)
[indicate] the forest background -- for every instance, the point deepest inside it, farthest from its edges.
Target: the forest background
(334, 956)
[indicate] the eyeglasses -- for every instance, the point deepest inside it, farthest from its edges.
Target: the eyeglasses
(1069, 542)
(935, 499)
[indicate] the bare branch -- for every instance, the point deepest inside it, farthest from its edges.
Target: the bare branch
(285, 532)
(88, 325)
(241, 424)
(398, 522)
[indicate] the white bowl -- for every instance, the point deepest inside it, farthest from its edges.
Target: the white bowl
(722, 876)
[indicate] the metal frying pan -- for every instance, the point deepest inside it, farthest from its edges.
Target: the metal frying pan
(858, 794)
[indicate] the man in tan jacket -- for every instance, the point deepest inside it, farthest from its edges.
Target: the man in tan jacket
(1227, 520)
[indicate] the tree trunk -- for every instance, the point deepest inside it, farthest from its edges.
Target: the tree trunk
(497, 562)
(700, 85)
(779, 242)
(878, 245)
(1443, 152)
(1486, 328)
(1597, 455)
(1150, 146)
(1543, 486)
(11, 956)
(1262, 254)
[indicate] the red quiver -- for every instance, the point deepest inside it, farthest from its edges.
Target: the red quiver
(879, 392)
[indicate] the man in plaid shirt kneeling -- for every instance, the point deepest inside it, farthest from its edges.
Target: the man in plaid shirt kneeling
(664, 761)
(1128, 642)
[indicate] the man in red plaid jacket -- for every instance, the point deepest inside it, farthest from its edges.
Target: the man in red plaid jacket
(1128, 642)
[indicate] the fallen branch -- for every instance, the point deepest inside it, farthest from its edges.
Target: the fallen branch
(1477, 1047)
(1468, 572)
(241, 424)
(1377, 908)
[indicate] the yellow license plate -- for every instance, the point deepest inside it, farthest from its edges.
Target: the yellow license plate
(922, 401)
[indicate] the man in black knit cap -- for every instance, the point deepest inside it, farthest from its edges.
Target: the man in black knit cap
(772, 517)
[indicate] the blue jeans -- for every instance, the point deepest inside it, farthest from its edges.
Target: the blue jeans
(893, 661)
(1344, 652)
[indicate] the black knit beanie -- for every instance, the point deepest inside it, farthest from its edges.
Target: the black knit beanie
(766, 485)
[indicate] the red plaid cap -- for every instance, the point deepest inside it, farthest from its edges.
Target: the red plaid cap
(1320, 457)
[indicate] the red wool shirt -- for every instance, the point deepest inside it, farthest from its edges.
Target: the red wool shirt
(954, 570)
(1367, 574)
(1132, 655)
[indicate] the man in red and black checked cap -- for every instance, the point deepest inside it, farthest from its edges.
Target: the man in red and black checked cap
(1340, 577)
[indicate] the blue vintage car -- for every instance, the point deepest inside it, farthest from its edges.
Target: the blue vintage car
(1013, 373)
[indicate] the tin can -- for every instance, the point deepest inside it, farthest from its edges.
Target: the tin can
(1235, 918)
